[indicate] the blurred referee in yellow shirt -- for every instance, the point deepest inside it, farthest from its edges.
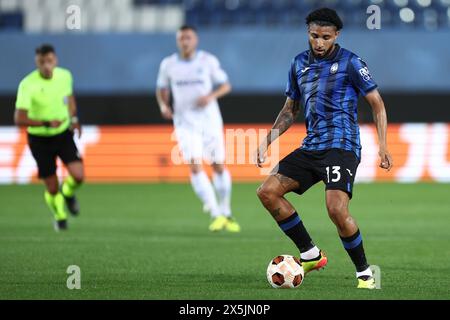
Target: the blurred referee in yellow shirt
(46, 105)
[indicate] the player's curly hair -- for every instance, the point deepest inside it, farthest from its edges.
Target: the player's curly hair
(325, 17)
(44, 49)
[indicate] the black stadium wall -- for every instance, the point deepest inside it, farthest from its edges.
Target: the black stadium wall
(238, 108)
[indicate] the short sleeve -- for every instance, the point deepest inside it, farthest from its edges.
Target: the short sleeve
(360, 76)
(292, 90)
(163, 80)
(23, 101)
(218, 75)
(69, 84)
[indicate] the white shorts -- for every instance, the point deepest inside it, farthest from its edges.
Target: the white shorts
(198, 145)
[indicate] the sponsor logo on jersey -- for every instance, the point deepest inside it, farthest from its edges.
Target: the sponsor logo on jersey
(304, 70)
(365, 74)
(189, 82)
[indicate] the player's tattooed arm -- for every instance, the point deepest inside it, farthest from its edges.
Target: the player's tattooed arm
(285, 119)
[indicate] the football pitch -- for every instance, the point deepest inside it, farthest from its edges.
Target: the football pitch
(151, 241)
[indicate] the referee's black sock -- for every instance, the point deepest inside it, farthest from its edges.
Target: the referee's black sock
(293, 227)
(355, 249)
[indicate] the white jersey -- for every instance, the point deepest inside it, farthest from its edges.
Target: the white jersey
(189, 80)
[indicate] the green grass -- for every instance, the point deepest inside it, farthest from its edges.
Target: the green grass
(151, 242)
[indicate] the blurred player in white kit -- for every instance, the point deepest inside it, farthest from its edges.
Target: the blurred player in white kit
(196, 80)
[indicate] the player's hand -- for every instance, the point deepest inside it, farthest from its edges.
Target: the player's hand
(260, 155)
(204, 101)
(77, 127)
(385, 159)
(167, 114)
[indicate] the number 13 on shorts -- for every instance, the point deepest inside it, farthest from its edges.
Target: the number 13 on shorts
(335, 173)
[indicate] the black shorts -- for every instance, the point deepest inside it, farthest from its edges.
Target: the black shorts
(335, 167)
(46, 149)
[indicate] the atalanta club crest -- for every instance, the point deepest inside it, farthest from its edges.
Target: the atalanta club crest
(334, 68)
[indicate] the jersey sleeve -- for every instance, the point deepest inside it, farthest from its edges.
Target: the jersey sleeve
(218, 75)
(360, 76)
(163, 80)
(23, 101)
(69, 84)
(292, 90)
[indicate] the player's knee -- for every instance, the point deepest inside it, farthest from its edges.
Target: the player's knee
(79, 179)
(78, 176)
(51, 184)
(260, 192)
(53, 190)
(218, 168)
(265, 193)
(337, 210)
(195, 168)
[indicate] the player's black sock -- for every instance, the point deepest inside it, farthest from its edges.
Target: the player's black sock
(293, 227)
(355, 249)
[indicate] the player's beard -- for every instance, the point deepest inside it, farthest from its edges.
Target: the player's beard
(329, 51)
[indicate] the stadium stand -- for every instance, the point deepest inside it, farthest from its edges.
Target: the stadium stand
(166, 15)
(37, 16)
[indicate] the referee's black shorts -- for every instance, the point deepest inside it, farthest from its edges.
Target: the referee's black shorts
(335, 167)
(45, 150)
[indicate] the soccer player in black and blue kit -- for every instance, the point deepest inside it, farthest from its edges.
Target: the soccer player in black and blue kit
(326, 81)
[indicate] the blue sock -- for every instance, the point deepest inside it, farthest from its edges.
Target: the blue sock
(293, 227)
(355, 249)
